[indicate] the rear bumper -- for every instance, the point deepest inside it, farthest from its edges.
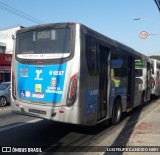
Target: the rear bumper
(60, 114)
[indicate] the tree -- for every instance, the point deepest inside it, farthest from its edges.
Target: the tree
(155, 57)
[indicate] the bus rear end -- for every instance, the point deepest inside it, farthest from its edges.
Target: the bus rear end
(155, 78)
(45, 72)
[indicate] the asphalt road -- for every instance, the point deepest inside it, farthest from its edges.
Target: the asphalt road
(24, 131)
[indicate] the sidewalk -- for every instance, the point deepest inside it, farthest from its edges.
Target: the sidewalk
(146, 132)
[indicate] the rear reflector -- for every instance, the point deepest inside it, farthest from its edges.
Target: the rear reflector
(61, 111)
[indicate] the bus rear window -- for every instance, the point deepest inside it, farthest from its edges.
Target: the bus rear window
(40, 44)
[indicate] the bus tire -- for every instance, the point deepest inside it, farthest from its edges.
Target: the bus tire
(116, 112)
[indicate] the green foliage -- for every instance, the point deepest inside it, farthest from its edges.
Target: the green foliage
(155, 57)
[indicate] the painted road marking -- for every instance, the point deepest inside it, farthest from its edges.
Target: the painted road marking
(5, 108)
(17, 125)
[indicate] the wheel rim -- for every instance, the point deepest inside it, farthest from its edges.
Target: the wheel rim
(117, 113)
(3, 101)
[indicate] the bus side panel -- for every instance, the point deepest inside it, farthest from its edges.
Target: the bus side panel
(158, 78)
(140, 80)
(88, 88)
(73, 112)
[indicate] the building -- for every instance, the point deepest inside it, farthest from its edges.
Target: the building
(2, 47)
(6, 50)
(5, 67)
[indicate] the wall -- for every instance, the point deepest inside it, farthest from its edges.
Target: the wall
(6, 38)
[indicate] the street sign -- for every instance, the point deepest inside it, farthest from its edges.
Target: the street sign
(143, 35)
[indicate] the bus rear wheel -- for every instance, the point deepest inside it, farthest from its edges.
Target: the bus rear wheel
(116, 112)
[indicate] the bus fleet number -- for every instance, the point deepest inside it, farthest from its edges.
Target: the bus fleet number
(56, 72)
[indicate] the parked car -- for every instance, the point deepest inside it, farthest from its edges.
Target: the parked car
(5, 88)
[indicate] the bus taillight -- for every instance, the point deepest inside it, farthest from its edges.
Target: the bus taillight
(71, 96)
(153, 83)
(13, 86)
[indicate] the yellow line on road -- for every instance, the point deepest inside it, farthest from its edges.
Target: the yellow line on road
(5, 108)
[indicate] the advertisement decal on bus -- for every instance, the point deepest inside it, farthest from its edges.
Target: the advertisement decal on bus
(41, 83)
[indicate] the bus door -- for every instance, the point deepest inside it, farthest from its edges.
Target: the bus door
(131, 83)
(103, 81)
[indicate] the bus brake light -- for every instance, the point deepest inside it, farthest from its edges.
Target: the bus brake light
(71, 96)
(153, 83)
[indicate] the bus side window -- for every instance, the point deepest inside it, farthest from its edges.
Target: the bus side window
(138, 72)
(119, 63)
(118, 68)
(92, 55)
(152, 67)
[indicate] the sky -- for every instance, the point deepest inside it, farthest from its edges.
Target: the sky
(113, 18)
